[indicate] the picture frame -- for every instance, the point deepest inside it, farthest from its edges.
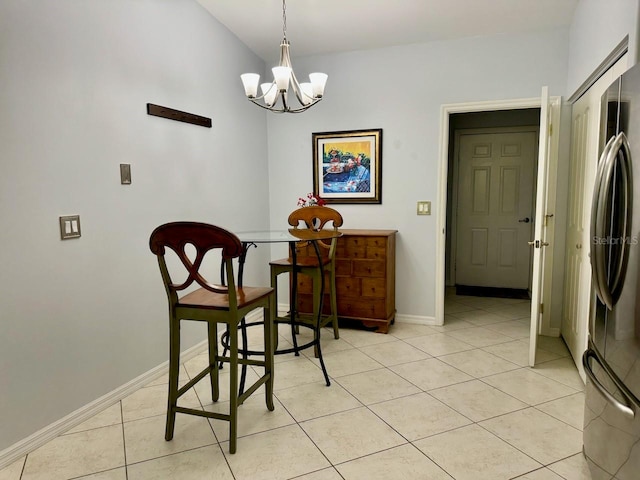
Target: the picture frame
(347, 166)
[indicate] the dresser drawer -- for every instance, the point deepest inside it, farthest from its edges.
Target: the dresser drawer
(305, 303)
(376, 253)
(305, 283)
(356, 307)
(374, 287)
(356, 251)
(343, 267)
(348, 286)
(380, 242)
(351, 242)
(369, 268)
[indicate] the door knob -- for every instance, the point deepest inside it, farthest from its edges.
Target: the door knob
(578, 246)
(524, 220)
(532, 242)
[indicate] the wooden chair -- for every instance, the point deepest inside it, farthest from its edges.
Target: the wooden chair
(213, 304)
(314, 218)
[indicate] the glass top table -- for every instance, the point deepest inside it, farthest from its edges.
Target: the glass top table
(290, 236)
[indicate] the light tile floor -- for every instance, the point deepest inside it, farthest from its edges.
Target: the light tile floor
(456, 401)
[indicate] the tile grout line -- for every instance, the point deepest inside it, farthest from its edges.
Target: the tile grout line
(124, 443)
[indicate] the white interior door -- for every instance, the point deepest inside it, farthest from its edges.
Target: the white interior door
(585, 140)
(577, 268)
(539, 241)
(495, 208)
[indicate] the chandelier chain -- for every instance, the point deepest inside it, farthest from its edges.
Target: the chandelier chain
(284, 19)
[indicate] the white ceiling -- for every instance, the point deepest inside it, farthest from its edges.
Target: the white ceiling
(330, 26)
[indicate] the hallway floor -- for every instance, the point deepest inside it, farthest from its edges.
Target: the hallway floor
(421, 402)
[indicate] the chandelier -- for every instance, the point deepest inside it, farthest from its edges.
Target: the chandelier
(275, 94)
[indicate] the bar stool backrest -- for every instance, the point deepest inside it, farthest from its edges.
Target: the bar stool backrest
(203, 237)
(316, 218)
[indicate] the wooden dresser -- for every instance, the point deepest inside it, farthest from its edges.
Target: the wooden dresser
(365, 278)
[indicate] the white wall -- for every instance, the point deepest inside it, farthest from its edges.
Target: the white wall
(401, 90)
(597, 27)
(82, 317)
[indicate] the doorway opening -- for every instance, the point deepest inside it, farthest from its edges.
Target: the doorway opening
(491, 181)
(543, 237)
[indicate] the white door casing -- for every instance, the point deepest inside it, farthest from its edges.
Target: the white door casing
(494, 206)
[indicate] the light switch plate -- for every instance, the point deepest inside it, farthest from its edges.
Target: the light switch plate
(125, 174)
(69, 227)
(424, 208)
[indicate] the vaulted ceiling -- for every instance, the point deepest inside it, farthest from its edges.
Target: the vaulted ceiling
(330, 26)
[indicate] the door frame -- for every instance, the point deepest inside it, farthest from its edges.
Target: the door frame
(446, 111)
(455, 181)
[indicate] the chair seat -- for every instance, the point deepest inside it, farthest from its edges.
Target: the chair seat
(300, 262)
(202, 298)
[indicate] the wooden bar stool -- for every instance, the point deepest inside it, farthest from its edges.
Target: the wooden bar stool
(315, 266)
(213, 304)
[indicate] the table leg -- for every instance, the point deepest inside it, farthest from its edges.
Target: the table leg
(293, 296)
(317, 331)
(243, 327)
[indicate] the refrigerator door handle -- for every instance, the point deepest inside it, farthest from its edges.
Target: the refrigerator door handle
(627, 408)
(597, 234)
(610, 282)
(623, 152)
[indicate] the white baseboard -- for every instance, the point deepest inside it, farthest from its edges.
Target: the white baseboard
(283, 308)
(44, 435)
(416, 319)
(551, 331)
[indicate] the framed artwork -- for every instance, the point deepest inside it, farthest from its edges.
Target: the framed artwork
(347, 166)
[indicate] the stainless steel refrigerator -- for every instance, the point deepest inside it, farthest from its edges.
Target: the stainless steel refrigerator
(612, 359)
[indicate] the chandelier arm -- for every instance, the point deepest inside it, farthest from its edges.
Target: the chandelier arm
(260, 97)
(303, 108)
(282, 110)
(296, 88)
(266, 107)
(285, 61)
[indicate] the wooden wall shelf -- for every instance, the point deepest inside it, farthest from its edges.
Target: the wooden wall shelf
(178, 115)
